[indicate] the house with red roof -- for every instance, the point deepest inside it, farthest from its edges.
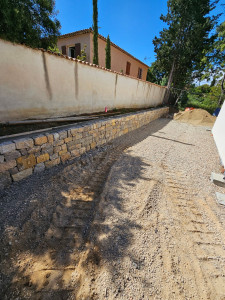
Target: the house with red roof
(70, 44)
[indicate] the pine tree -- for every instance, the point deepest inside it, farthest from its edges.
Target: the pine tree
(95, 33)
(181, 45)
(108, 53)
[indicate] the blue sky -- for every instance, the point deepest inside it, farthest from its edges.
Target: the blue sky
(131, 24)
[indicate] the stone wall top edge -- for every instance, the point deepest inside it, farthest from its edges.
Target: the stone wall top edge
(33, 135)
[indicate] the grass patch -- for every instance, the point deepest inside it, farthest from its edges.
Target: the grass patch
(208, 103)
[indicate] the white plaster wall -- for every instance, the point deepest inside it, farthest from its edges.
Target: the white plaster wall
(219, 133)
(36, 84)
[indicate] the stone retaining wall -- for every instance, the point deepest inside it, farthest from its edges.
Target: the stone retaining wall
(20, 157)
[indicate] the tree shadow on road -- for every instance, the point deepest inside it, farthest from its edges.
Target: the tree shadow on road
(51, 224)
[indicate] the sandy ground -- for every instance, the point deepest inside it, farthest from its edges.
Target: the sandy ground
(136, 219)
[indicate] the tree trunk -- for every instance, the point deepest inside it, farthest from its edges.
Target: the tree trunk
(178, 98)
(222, 91)
(170, 80)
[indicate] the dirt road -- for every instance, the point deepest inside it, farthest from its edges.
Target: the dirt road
(136, 219)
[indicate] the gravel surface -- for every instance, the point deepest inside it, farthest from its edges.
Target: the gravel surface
(135, 219)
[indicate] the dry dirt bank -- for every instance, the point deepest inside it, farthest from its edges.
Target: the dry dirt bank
(136, 219)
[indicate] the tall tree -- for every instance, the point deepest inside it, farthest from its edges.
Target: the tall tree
(180, 46)
(95, 33)
(108, 53)
(30, 22)
(214, 62)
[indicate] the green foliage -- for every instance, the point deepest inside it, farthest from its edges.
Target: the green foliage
(150, 77)
(54, 49)
(202, 89)
(95, 33)
(179, 47)
(164, 81)
(30, 22)
(83, 55)
(203, 96)
(213, 64)
(155, 74)
(108, 53)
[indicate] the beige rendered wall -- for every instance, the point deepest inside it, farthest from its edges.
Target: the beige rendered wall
(71, 41)
(37, 84)
(119, 60)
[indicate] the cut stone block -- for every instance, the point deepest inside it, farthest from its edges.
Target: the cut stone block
(62, 135)
(56, 136)
(12, 155)
(39, 168)
(220, 198)
(52, 163)
(5, 166)
(22, 175)
(47, 149)
(65, 157)
(34, 149)
(26, 162)
(40, 140)
(14, 171)
(42, 158)
(7, 147)
(54, 156)
(24, 143)
(218, 179)
(50, 138)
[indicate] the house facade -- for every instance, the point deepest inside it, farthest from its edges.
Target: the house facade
(121, 61)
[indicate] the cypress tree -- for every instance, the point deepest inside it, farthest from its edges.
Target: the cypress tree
(95, 33)
(108, 54)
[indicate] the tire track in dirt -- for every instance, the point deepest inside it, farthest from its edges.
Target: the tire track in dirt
(68, 272)
(200, 255)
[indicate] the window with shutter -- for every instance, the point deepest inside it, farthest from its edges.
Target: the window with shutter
(72, 52)
(139, 73)
(77, 50)
(128, 68)
(63, 50)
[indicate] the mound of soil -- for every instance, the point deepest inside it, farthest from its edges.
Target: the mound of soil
(195, 117)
